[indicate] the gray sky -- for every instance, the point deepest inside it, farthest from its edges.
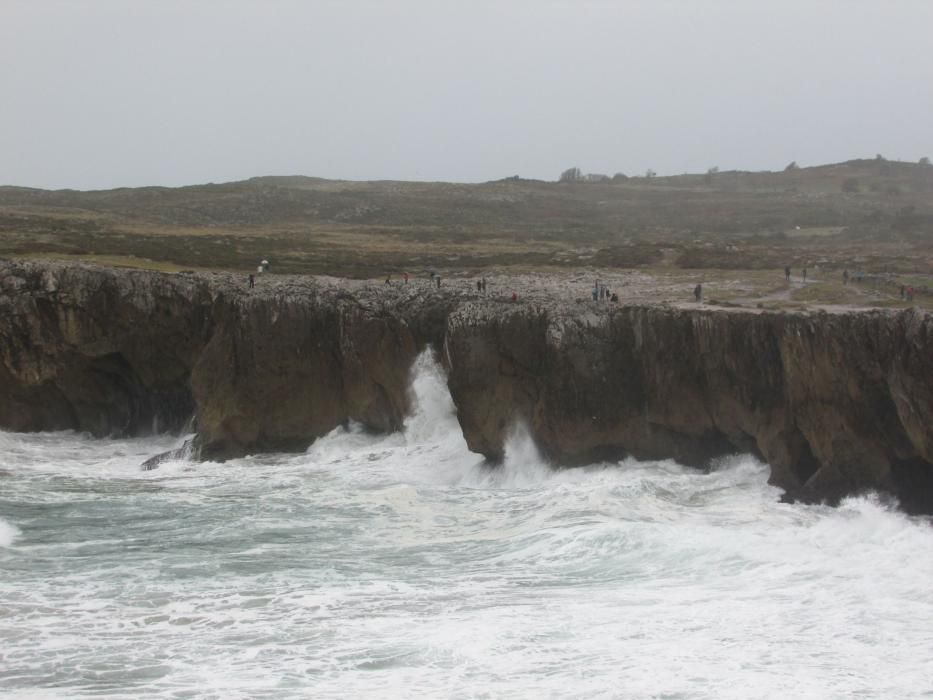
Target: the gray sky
(106, 93)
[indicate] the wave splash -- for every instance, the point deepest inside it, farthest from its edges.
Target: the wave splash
(404, 561)
(8, 533)
(431, 448)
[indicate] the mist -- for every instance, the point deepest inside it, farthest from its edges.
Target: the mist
(108, 93)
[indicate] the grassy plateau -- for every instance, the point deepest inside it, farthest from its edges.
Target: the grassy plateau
(733, 231)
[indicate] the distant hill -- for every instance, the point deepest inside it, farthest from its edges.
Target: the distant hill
(756, 200)
(360, 227)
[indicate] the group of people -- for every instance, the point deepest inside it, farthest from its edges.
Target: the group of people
(906, 290)
(436, 280)
(262, 267)
(602, 292)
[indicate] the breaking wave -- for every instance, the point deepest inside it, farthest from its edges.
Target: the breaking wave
(404, 565)
(8, 533)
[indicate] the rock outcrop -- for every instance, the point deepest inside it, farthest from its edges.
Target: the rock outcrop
(98, 350)
(119, 352)
(834, 401)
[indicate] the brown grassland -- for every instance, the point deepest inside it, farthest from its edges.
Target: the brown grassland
(733, 231)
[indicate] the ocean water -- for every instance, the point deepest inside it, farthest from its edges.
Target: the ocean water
(402, 566)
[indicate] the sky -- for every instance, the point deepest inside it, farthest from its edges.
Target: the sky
(109, 93)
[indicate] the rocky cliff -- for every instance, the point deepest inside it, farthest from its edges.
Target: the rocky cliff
(835, 402)
(127, 352)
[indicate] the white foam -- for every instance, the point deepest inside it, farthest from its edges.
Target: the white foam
(434, 416)
(8, 533)
(402, 565)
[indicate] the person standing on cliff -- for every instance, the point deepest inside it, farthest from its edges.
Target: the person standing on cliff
(787, 273)
(252, 281)
(484, 285)
(804, 274)
(698, 292)
(845, 277)
(437, 278)
(405, 276)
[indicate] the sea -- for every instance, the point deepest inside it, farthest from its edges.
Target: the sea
(403, 566)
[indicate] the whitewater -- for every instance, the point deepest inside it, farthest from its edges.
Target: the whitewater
(403, 566)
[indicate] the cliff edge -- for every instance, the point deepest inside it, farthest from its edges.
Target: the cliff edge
(836, 401)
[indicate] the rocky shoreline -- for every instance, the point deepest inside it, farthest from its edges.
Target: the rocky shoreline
(836, 401)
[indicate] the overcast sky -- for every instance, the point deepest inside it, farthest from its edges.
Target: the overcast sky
(106, 93)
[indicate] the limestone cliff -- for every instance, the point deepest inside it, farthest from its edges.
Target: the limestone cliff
(128, 352)
(835, 402)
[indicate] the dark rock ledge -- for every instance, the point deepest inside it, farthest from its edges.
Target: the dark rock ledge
(836, 401)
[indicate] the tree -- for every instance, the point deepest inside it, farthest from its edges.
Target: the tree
(619, 177)
(571, 175)
(650, 173)
(791, 166)
(713, 170)
(924, 161)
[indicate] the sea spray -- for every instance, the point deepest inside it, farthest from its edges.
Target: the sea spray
(8, 533)
(433, 414)
(402, 564)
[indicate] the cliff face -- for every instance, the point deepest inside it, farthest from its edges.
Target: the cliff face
(125, 352)
(834, 402)
(279, 372)
(98, 351)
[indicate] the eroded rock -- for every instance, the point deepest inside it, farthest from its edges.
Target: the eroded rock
(835, 402)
